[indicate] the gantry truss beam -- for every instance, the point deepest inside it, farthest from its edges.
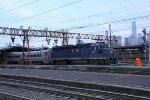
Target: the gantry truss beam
(50, 34)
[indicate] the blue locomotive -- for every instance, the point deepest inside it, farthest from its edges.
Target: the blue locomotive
(90, 53)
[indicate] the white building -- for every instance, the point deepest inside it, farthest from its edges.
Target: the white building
(126, 41)
(117, 42)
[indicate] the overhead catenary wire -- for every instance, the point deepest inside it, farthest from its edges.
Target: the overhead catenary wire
(116, 26)
(112, 22)
(66, 5)
(123, 9)
(12, 4)
(6, 11)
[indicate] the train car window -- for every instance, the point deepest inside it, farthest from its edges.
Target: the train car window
(38, 55)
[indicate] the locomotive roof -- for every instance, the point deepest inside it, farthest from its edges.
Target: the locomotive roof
(38, 51)
(12, 48)
(72, 46)
(20, 49)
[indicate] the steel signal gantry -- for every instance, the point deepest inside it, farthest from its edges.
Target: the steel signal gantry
(50, 34)
(46, 33)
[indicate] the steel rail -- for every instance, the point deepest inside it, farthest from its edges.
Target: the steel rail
(11, 96)
(71, 91)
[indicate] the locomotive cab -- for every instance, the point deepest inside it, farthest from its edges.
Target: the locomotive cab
(108, 53)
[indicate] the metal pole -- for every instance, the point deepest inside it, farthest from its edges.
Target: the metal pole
(145, 50)
(149, 48)
(23, 54)
(145, 42)
(26, 44)
(110, 35)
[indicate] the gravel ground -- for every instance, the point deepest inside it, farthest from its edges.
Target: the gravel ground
(33, 95)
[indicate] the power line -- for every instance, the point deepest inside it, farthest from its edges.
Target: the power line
(6, 11)
(12, 4)
(104, 27)
(45, 12)
(118, 29)
(109, 12)
(112, 22)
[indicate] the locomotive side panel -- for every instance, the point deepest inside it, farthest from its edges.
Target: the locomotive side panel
(91, 53)
(72, 52)
(36, 57)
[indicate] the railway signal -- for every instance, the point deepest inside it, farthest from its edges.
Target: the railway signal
(147, 44)
(144, 31)
(144, 37)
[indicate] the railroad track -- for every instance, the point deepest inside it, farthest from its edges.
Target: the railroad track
(66, 90)
(7, 96)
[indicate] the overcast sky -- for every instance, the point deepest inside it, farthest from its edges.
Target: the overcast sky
(14, 13)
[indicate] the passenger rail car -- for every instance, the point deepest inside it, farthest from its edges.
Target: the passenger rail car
(91, 53)
(36, 57)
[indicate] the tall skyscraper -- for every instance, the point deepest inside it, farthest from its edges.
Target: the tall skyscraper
(134, 31)
(133, 38)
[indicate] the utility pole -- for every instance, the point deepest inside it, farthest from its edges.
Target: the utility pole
(149, 48)
(145, 42)
(110, 35)
(26, 44)
(65, 37)
(107, 39)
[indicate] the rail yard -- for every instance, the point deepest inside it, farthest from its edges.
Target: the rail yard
(66, 84)
(74, 50)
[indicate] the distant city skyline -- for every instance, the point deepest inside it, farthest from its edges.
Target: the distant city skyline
(134, 38)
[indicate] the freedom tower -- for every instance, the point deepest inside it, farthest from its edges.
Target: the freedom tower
(133, 37)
